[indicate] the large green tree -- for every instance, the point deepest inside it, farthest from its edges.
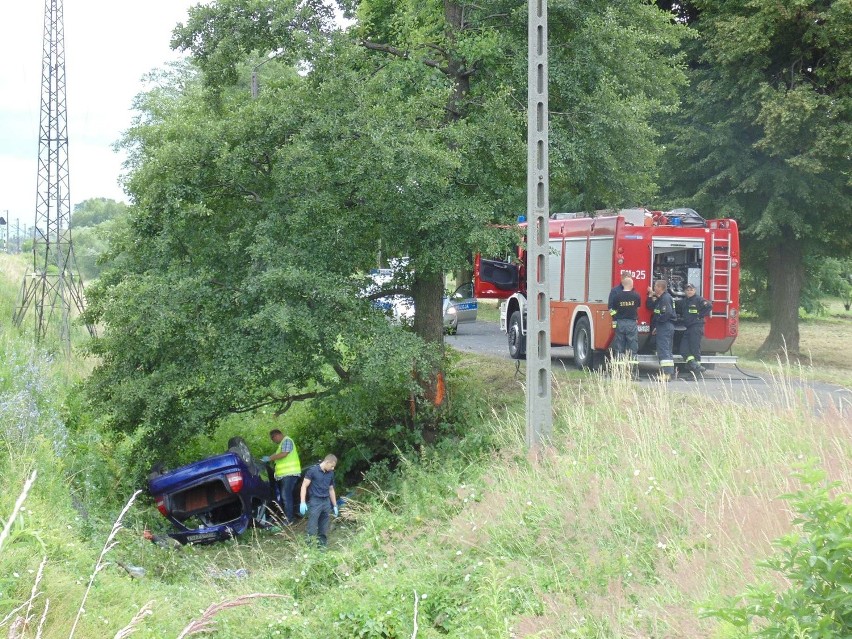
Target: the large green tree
(238, 284)
(427, 112)
(766, 135)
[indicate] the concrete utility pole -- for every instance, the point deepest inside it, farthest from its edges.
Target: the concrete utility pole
(539, 399)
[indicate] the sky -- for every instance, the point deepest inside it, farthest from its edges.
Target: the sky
(109, 46)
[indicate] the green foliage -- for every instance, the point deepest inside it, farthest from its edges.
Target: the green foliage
(764, 136)
(96, 211)
(827, 276)
(93, 222)
(814, 561)
(834, 275)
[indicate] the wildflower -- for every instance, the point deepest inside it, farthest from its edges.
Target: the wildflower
(423, 596)
(467, 577)
(636, 473)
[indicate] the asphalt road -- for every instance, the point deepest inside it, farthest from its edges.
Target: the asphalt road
(754, 387)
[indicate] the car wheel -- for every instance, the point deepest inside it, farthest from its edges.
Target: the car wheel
(585, 356)
(453, 327)
(517, 339)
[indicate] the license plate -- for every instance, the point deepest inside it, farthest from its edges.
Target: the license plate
(644, 329)
(201, 536)
(467, 306)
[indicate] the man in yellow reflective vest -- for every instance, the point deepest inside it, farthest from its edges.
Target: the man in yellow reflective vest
(288, 469)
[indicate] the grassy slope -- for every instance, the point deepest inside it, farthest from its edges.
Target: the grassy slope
(646, 506)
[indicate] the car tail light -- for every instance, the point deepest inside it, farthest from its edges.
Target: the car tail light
(235, 481)
(161, 505)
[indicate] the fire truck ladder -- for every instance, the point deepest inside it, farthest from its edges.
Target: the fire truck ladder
(720, 265)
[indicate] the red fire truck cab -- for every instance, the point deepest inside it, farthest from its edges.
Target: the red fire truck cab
(587, 256)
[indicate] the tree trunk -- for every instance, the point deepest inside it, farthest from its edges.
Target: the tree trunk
(428, 294)
(786, 278)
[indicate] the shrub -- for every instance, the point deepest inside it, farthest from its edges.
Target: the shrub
(817, 563)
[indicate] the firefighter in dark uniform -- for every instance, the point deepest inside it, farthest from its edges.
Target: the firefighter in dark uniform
(624, 307)
(693, 309)
(664, 318)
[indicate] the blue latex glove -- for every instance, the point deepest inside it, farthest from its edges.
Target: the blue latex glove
(336, 512)
(303, 509)
(265, 459)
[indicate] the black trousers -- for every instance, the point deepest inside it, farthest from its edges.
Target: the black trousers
(665, 335)
(690, 345)
(319, 512)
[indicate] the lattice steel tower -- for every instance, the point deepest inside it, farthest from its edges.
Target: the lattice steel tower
(53, 285)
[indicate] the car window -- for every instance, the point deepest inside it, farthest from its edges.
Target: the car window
(465, 291)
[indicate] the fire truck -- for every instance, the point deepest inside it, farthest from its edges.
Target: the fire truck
(587, 256)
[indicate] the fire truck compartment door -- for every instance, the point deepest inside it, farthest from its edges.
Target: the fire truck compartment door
(497, 279)
(600, 268)
(574, 289)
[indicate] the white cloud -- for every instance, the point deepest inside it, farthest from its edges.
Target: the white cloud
(109, 46)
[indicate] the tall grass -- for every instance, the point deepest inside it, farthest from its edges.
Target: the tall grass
(647, 504)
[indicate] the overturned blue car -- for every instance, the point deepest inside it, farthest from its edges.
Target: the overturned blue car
(216, 498)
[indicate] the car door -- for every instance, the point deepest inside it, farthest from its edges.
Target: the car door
(465, 302)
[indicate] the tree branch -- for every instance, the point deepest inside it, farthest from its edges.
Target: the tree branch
(283, 402)
(377, 46)
(342, 373)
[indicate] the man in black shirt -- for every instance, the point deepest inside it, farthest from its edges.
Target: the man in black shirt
(318, 487)
(615, 290)
(624, 306)
(693, 310)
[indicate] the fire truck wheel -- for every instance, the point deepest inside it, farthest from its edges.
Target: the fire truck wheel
(517, 340)
(584, 354)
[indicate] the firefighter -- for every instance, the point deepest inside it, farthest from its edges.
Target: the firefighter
(624, 315)
(616, 290)
(693, 309)
(664, 318)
